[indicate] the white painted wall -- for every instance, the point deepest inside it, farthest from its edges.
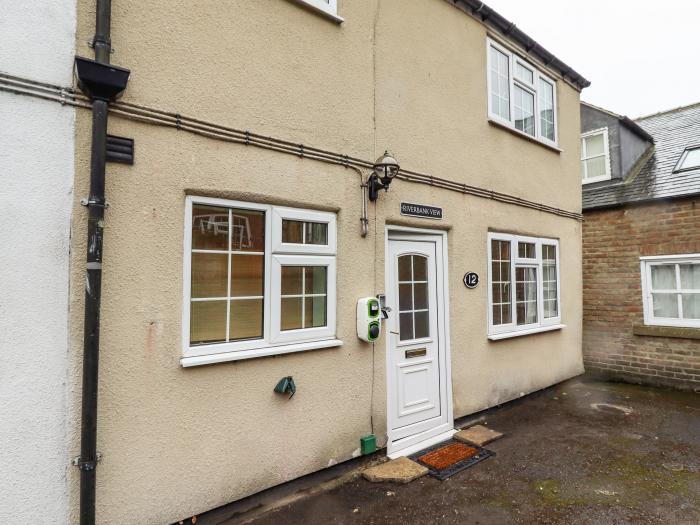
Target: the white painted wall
(37, 40)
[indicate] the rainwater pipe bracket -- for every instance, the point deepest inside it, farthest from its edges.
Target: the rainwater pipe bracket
(87, 464)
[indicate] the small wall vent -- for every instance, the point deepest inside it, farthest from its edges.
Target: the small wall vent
(120, 149)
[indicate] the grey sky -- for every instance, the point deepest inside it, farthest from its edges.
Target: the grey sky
(641, 56)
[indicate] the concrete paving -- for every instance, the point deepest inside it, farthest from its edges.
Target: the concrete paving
(399, 470)
(583, 452)
(478, 434)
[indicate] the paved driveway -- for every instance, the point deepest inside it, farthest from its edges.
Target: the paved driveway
(563, 461)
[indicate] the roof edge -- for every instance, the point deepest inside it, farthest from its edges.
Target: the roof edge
(508, 29)
(672, 110)
(639, 202)
(631, 124)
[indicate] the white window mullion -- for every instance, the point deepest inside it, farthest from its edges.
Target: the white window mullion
(679, 295)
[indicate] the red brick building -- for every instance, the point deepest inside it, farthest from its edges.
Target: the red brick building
(641, 246)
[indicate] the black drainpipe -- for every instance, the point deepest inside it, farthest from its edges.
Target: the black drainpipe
(102, 83)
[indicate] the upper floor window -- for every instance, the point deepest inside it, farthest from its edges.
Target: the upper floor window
(520, 96)
(523, 284)
(595, 156)
(671, 290)
(327, 7)
(258, 279)
(690, 159)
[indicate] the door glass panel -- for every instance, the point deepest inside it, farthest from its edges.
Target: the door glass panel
(405, 297)
(420, 296)
(406, 326)
(421, 324)
(420, 268)
(414, 319)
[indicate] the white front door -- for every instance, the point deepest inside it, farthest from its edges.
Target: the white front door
(418, 382)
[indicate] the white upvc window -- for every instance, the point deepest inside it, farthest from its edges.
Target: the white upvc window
(258, 280)
(326, 7)
(523, 285)
(595, 156)
(521, 96)
(671, 290)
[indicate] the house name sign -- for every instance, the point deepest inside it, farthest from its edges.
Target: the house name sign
(421, 210)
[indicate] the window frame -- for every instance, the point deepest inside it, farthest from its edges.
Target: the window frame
(534, 89)
(280, 214)
(512, 329)
(329, 9)
(606, 154)
(277, 335)
(678, 168)
(270, 343)
(646, 263)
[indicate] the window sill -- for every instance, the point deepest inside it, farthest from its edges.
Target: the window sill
(326, 14)
(539, 329)
(239, 355)
(595, 179)
(507, 127)
(675, 332)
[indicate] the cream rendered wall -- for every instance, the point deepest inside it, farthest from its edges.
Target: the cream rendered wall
(36, 168)
(432, 111)
(177, 442)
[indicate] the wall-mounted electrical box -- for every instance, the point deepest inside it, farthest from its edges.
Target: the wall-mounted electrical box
(369, 319)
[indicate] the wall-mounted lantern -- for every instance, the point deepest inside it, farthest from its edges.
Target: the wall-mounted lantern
(386, 168)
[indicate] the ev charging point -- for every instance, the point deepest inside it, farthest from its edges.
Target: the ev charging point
(369, 319)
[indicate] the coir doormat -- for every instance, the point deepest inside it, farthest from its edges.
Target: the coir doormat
(448, 458)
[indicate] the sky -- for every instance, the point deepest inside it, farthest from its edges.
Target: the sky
(641, 56)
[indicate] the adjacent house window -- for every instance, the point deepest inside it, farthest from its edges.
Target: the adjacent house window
(329, 7)
(257, 277)
(595, 156)
(690, 159)
(671, 290)
(520, 96)
(523, 285)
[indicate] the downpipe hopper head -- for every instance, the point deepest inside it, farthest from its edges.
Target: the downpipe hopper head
(100, 81)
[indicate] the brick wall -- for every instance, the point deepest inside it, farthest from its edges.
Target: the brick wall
(613, 242)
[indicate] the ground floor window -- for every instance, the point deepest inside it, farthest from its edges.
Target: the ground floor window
(256, 276)
(671, 290)
(523, 280)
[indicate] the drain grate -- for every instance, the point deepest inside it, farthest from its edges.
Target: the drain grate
(447, 459)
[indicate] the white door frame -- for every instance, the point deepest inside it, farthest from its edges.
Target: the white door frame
(410, 444)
